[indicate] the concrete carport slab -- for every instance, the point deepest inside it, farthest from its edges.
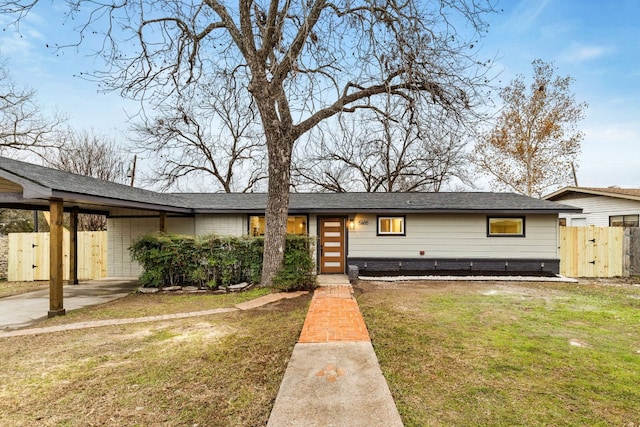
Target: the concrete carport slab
(24, 310)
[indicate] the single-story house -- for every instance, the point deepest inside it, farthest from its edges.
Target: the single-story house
(612, 206)
(377, 232)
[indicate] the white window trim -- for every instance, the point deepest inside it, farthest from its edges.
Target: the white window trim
(392, 233)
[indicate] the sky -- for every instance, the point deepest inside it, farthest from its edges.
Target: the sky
(595, 42)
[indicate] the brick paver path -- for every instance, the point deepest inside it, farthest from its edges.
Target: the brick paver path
(334, 316)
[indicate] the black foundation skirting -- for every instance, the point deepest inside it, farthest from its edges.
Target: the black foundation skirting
(455, 266)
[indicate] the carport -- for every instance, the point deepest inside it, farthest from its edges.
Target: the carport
(31, 187)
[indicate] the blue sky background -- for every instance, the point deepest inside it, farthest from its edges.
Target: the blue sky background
(596, 42)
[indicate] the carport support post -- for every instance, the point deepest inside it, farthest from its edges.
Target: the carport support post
(56, 307)
(73, 247)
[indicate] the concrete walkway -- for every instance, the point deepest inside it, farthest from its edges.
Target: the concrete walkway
(24, 310)
(333, 378)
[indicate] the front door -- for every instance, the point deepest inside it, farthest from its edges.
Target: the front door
(331, 245)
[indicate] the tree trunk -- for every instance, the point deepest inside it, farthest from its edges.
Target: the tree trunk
(277, 209)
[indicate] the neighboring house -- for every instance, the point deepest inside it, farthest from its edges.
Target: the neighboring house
(616, 207)
(377, 232)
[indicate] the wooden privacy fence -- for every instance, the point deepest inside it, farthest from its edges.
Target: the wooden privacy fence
(599, 251)
(29, 256)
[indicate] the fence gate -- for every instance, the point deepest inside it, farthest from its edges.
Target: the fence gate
(29, 256)
(591, 251)
(632, 251)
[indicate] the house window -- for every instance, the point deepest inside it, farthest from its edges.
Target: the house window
(391, 226)
(295, 225)
(624, 221)
(511, 227)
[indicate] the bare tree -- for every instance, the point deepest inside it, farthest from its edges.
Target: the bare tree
(86, 153)
(22, 124)
(212, 133)
(16, 221)
(535, 142)
(384, 150)
(302, 62)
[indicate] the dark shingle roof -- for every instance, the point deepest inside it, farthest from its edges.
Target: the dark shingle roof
(38, 178)
(41, 184)
(377, 202)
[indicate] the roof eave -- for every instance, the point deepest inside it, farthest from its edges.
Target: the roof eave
(117, 203)
(30, 189)
(567, 190)
(345, 211)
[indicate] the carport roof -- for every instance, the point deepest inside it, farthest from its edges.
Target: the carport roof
(30, 186)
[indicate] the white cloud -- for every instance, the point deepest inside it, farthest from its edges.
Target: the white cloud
(609, 155)
(525, 15)
(612, 135)
(20, 41)
(579, 53)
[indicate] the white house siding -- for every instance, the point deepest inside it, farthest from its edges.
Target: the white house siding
(312, 228)
(221, 224)
(454, 236)
(186, 226)
(597, 209)
(313, 225)
(122, 233)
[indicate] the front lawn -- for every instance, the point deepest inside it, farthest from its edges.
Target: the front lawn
(219, 370)
(506, 354)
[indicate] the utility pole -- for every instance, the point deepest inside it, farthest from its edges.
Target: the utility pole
(133, 170)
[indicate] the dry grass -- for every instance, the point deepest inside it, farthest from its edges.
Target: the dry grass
(504, 354)
(142, 305)
(8, 289)
(220, 370)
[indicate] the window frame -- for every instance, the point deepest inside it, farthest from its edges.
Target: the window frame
(391, 233)
(522, 218)
(624, 220)
(250, 231)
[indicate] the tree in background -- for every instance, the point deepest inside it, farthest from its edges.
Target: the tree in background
(22, 125)
(209, 131)
(86, 153)
(15, 221)
(302, 62)
(384, 150)
(23, 128)
(535, 142)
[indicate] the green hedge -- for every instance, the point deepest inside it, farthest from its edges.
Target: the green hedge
(213, 261)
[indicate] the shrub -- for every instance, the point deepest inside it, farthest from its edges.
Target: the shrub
(213, 261)
(297, 272)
